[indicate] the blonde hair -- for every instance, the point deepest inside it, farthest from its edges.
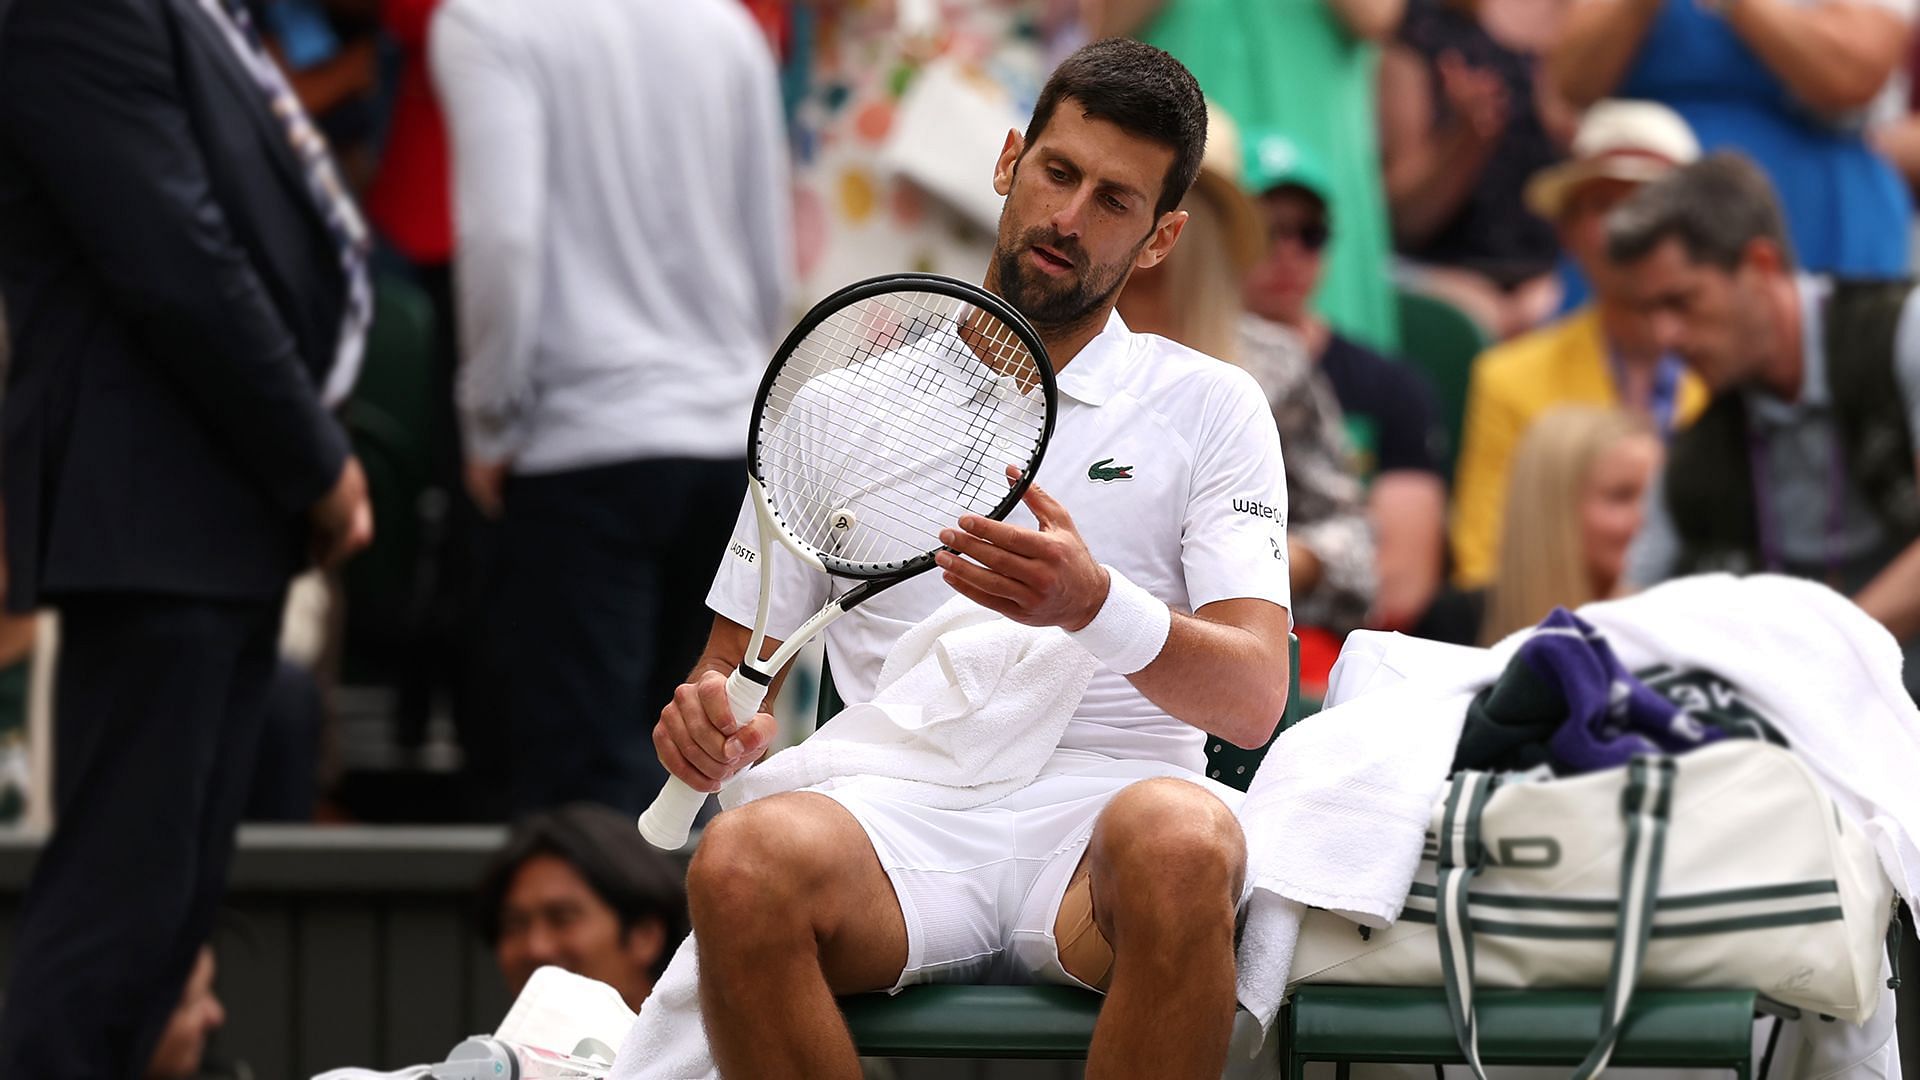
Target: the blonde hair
(1543, 560)
(1202, 283)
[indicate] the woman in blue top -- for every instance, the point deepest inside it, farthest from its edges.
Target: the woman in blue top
(1783, 81)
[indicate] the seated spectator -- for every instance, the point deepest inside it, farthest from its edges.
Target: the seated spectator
(1803, 463)
(1583, 473)
(1784, 83)
(1391, 418)
(1462, 128)
(180, 1052)
(1193, 297)
(1602, 354)
(578, 888)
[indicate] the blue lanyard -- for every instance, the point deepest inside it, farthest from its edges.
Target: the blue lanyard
(1665, 395)
(1772, 554)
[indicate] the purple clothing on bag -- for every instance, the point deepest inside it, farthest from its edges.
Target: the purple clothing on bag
(1611, 716)
(1566, 702)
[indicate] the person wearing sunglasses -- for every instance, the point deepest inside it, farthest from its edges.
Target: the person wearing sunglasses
(1391, 415)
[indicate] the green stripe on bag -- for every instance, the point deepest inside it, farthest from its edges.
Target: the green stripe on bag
(1750, 922)
(1605, 933)
(1665, 903)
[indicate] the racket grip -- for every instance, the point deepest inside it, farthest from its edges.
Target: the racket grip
(667, 822)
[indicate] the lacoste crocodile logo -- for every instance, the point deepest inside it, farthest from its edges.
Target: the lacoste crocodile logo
(1105, 471)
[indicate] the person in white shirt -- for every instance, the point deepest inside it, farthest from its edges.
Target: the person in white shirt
(1160, 506)
(624, 256)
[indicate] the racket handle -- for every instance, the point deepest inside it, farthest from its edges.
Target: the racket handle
(667, 822)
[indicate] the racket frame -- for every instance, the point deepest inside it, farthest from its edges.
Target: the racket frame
(873, 578)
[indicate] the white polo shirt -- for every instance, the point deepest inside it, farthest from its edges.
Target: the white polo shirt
(1169, 462)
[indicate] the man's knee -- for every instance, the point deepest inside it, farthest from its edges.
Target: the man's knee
(761, 864)
(1167, 842)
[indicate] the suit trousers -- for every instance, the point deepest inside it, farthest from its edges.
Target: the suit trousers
(158, 707)
(603, 579)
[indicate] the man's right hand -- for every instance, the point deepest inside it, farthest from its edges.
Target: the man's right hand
(696, 738)
(343, 518)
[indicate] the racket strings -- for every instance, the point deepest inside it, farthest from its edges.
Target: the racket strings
(900, 496)
(892, 418)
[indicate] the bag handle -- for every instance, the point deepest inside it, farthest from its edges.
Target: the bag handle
(1646, 805)
(1460, 858)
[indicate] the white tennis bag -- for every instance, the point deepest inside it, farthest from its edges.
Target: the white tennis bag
(1726, 868)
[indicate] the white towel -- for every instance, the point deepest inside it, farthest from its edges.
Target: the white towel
(667, 1041)
(969, 707)
(558, 1010)
(1337, 814)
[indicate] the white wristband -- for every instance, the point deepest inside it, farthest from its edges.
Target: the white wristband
(1130, 629)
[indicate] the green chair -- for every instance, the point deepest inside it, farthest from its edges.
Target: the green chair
(1442, 341)
(1012, 1021)
(1706, 1029)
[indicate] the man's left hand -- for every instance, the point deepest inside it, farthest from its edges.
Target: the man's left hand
(1043, 578)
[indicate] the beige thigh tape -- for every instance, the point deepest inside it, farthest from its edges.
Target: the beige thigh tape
(1084, 951)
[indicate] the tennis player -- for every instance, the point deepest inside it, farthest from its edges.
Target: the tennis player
(1155, 534)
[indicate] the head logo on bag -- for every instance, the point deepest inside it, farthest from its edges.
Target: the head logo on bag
(1512, 852)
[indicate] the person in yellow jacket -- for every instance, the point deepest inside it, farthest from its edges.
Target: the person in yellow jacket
(1601, 354)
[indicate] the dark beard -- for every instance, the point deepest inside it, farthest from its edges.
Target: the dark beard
(1053, 307)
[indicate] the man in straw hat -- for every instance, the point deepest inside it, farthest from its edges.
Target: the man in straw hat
(1601, 354)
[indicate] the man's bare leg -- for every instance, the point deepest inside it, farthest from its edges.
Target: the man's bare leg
(791, 907)
(1166, 863)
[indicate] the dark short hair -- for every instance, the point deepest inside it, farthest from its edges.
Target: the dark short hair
(1141, 90)
(1715, 207)
(638, 882)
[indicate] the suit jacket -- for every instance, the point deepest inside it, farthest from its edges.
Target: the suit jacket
(174, 301)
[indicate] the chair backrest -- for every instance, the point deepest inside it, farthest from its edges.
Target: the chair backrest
(1233, 765)
(1442, 341)
(1227, 763)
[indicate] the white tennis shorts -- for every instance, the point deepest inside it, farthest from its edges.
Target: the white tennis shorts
(980, 889)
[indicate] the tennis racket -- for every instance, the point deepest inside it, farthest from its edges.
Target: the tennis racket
(893, 408)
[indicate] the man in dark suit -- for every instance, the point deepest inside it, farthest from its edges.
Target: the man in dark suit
(187, 293)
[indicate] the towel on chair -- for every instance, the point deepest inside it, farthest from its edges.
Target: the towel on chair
(1337, 813)
(968, 708)
(1336, 818)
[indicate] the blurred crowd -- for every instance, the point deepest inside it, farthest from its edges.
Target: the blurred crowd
(1403, 230)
